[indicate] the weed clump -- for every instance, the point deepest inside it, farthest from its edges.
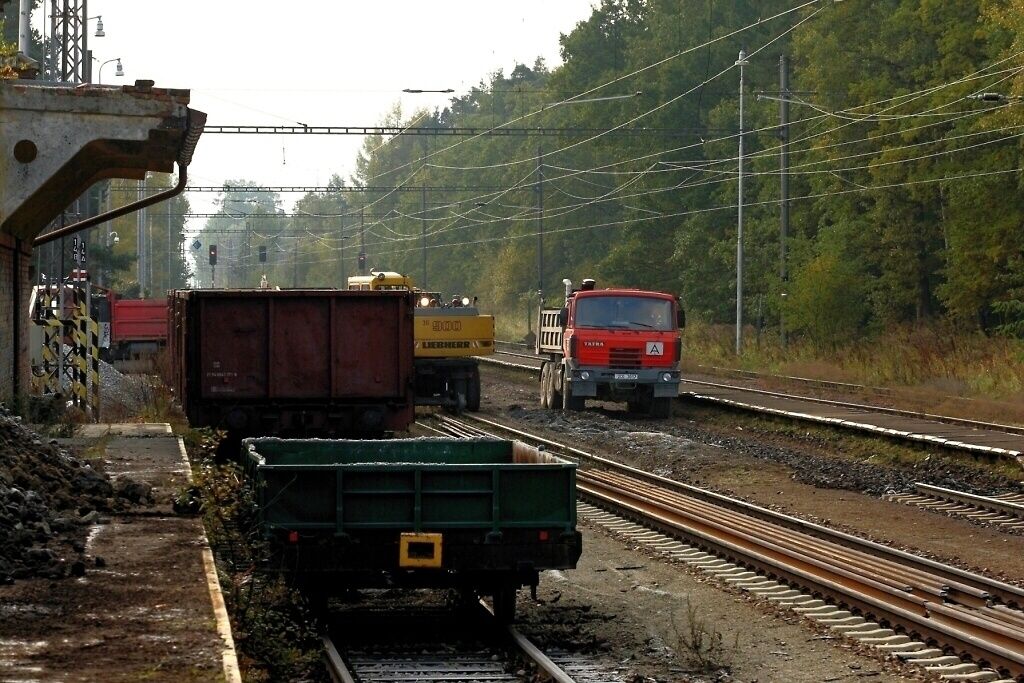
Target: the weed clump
(274, 631)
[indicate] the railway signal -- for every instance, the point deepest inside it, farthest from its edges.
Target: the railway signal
(263, 254)
(213, 254)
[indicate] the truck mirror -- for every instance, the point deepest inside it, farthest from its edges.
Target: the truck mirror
(563, 317)
(680, 318)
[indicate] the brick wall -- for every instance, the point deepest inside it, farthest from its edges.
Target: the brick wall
(13, 318)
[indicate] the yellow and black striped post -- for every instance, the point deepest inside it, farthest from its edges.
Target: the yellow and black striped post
(53, 333)
(79, 322)
(94, 376)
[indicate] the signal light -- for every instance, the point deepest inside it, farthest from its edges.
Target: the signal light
(213, 254)
(293, 536)
(263, 254)
(362, 260)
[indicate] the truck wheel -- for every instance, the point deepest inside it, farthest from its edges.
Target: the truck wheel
(555, 380)
(570, 402)
(504, 600)
(460, 390)
(661, 407)
(545, 369)
(473, 391)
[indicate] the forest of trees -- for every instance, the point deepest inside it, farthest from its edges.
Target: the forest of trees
(904, 186)
(905, 191)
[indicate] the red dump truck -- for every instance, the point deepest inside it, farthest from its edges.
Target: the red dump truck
(611, 345)
(138, 327)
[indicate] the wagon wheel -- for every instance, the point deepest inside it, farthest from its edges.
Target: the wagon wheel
(504, 600)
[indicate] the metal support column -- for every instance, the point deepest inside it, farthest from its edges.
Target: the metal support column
(540, 222)
(783, 191)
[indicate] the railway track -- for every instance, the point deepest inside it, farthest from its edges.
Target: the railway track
(1005, 511)
(961, 625)
(1000, 441)
(479, 649)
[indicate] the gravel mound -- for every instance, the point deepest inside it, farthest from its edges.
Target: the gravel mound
(120, 394)
(48, 500)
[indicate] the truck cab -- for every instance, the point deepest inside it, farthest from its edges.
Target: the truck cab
(612, 345)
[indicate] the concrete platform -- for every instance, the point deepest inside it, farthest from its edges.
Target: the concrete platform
(154, 612)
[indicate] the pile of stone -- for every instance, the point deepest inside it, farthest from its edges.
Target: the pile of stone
(48, 501)
(122, 395)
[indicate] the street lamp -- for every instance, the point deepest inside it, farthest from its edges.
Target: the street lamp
(119, 71)
(99, 26)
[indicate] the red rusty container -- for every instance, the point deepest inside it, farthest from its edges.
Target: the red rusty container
(301, 361)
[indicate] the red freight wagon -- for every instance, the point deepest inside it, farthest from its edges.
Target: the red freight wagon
(138, 327)
(258, 362)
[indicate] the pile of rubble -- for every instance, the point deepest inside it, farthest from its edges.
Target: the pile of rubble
(48, 501)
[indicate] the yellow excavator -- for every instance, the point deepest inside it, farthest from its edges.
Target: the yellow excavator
(448, 337)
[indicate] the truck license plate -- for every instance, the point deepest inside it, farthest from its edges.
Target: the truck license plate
(626, 375)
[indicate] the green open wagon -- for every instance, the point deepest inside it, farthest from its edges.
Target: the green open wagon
(481, 515)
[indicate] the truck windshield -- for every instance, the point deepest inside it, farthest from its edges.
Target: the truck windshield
(630, 312)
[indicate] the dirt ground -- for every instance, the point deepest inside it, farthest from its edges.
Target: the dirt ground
(141, 612)
(636, 613)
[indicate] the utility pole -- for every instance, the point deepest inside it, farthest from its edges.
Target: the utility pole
(741, 62)
(783, 190)
(362, 243)
(140, 241)
(341, 253)
(423, 229)
(295, 262)
(540, 223)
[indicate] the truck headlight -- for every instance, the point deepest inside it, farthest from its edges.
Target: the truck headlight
(667, 377)
(584, 375)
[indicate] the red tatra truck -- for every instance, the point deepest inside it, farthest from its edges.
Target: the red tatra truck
(611, 345)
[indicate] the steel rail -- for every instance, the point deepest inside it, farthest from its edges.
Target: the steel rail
(998, 591)
(983, 502)
(981, 637)
(340, 673)
(532, 652)
(900, 435)
(861, 578)
(948, 419)
(336, 668)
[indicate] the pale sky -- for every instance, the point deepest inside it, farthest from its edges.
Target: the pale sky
(318, 62)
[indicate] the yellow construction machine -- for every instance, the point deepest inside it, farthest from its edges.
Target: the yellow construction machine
(449, 335)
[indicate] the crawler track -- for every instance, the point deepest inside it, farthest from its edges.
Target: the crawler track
(1005, 511)
(965, 614)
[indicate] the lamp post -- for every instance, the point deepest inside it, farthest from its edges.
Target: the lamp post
(118, 72)
(741, 62)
